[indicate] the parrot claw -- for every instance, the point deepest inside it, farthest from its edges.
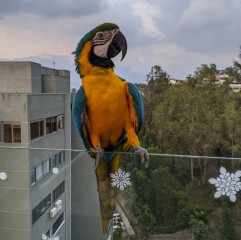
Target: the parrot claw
(144, 155)
(98, 157)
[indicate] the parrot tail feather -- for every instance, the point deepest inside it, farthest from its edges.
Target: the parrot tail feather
(107, 193)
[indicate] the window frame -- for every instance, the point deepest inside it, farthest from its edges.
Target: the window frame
(58, 191)
(13, 136)
(51, 125)
(58, 223)
(41, 208)
(40, 131)
(47, 166)
(45, 169)
(60, 122)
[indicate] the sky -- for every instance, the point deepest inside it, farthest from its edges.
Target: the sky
(178, 35)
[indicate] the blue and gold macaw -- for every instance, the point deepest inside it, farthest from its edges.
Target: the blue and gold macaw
(107, 110)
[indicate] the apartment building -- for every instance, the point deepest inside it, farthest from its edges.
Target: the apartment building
(35, 168)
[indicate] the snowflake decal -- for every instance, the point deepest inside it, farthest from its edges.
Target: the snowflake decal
(227, 184)
(120, 179)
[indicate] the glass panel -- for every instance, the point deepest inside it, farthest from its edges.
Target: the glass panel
(62, 156)
(46, 167)
(7, 133)
(47, 234)
(54, 124)
(58, 158)
(39, 171)
(34, 128)
(16, 133)
(33, 175)
(41, 208)
(179, 197)
(58, 223)
(48, 126)
(41, 126)
(58, 191)
(61, 122)
(53, 162)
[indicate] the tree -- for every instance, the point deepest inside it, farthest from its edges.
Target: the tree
(205, 74)
(237, 65)
(197, 121)
(157, 83)
(227, 227)
(232, 75)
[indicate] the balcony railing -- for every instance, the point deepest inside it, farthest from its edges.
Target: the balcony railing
(189, 197)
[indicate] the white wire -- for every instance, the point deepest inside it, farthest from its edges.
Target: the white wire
(125, 153)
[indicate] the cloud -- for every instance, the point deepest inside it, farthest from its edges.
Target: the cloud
(210, 26)
(146, 12)
(50, 9)
(177, 35)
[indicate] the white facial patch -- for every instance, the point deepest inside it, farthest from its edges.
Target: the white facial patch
(102, 40)
(101, 50)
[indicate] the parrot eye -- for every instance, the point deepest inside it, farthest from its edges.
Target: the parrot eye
(100, 35)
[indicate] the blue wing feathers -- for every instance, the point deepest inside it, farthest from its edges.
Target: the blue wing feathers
(79, 117)
(138, 103)
(78, 111)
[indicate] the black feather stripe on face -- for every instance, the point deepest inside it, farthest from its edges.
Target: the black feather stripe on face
(99, 61)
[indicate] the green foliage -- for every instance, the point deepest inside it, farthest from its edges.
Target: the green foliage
(237, 67)
(199, 228)
(149, 139)
(203, 75)
(160, 199)
(157, 83)
(144, 215)
(227, 226)
(117, 235)
(199, 225)
(198, 121)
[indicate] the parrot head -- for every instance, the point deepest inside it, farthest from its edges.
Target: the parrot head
(98, 46)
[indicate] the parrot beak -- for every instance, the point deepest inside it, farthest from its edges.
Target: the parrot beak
(118, 44)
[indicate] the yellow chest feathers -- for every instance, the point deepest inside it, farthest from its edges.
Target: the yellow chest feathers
(104, 87)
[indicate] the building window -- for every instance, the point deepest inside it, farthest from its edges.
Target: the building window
(7, 133)
(16, 133)
(47, 234)
(51, 125)
(58, 191)
(60, 122)
(41, 208)
(57, 159)
(40, 171)
(33, 176)
(37, 129)
(45, 167)
(11, 133)
(57, 225)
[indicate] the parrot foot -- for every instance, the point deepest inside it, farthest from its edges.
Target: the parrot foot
(98, 157)
(144, 155)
